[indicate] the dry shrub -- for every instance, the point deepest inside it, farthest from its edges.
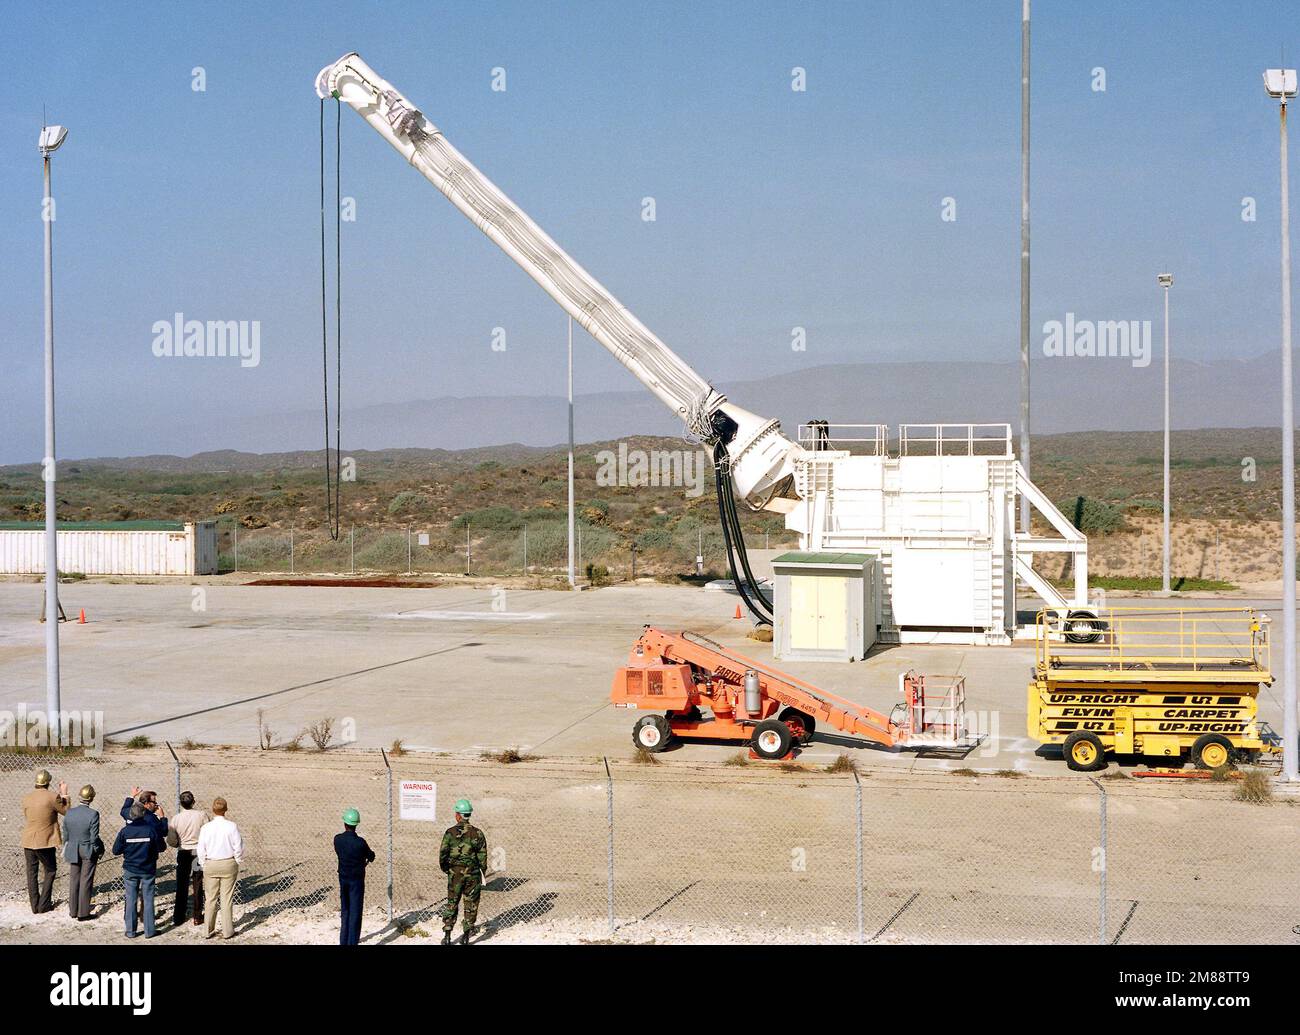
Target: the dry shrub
(322, 732)
(842, 764)
(643, 757)
(1255, 787)
(507, 756)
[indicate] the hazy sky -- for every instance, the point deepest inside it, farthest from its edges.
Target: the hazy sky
(775, 208)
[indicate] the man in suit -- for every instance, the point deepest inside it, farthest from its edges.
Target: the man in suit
(82, 849)
(40, 839)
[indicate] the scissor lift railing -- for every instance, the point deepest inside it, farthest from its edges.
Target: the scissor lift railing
(1211, 644)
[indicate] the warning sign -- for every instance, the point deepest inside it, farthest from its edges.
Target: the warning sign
(418, 799)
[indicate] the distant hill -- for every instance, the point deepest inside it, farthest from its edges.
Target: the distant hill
(1069, 395)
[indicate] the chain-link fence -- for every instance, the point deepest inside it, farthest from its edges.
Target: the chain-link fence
(532, 548)
(595, 851)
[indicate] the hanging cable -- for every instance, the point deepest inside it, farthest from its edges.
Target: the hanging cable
(733, 538)
(333, 468)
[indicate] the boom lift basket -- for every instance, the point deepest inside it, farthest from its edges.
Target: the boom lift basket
(933, 711)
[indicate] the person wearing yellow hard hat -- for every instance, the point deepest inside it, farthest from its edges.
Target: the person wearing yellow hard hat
(81, 851)
(354, 856)
(41, 839)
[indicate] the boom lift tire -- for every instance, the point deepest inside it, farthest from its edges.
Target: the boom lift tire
(1082, 627)
(802, 725)
(772, 739)
(1084, 753)
(1212, 751)
(652, 733)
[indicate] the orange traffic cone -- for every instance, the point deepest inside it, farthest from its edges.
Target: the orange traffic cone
(737, 610)
(82, 619)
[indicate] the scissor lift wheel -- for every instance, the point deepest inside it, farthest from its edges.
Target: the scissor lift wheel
(1212, 751)
(652, 733)
(1084, 753)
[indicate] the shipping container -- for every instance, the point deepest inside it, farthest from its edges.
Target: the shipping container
(112, 548)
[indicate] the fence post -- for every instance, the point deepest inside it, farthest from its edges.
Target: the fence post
(291, 571)
(236, 546)
(384, 754)
(176, 766)
(408, 549)
(857, 795)
(609, 860)
(1101, 931)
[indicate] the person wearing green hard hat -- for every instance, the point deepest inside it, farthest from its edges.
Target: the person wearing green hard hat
(463, 858)
(354, 856)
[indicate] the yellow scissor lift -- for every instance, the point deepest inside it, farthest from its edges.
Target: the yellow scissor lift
(1158, 682)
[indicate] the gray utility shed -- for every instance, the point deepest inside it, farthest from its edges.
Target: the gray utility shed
(826, 606)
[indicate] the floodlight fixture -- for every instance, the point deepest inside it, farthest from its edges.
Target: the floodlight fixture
(52, 138)
(1280, 83)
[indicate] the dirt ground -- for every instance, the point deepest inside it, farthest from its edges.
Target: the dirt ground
(707, 853)
(1241, 551)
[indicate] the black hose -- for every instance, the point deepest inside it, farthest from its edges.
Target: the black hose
(733, 537)
(728, 501)
(738, 535)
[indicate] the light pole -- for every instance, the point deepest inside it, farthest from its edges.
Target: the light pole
(573, 579)
(1024, 258)
(1166, 281)
(52, 138)
(1280, 84)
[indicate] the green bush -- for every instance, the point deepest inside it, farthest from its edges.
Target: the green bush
(490, 519)
(385, 552)
(405, 502)
(1092, 516)
(655, 539)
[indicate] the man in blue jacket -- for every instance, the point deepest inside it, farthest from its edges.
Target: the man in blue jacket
(153, 810)
(139, 843)
(354, 856)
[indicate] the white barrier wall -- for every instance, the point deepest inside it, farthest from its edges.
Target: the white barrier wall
(189, 549)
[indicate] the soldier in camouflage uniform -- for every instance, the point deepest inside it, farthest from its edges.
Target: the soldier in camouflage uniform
(463, 859)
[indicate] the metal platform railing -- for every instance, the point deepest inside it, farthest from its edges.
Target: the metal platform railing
(1156, 639)
(954, 440)
(821, 434)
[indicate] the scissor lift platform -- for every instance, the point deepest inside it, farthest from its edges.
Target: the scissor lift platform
(1158, 682)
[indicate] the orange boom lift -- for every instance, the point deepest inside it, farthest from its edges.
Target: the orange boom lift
(679, 674)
